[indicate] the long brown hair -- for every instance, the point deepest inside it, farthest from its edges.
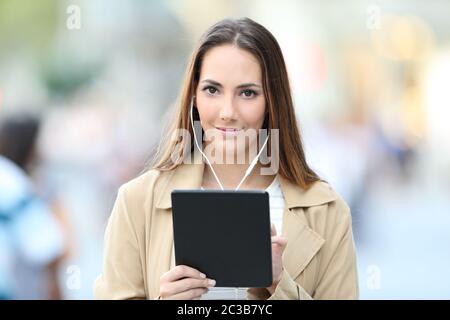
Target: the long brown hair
(248, 35)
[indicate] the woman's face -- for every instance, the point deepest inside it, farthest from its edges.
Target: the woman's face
(229, 97)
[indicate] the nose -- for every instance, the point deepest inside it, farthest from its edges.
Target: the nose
(227, 111)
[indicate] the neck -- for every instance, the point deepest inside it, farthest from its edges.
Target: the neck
(231, 174)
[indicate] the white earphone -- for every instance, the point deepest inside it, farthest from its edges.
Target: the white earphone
(247, 172)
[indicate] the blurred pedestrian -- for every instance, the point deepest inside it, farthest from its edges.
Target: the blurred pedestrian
(32, 241)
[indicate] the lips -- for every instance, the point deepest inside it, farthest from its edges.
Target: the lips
(228, 129)
(229, 132)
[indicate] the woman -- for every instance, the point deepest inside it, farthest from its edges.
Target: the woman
(236, 83)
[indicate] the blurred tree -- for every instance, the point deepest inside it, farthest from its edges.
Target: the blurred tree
(27, 25)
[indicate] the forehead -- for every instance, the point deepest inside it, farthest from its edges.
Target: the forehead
(229, 64)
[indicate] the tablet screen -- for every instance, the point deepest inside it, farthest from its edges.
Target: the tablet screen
(224, 234)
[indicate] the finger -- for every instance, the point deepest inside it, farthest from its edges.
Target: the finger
(192, 283)
(279, 240)
(189, 295)
(179, 286)
(182, 271)
(273, 230)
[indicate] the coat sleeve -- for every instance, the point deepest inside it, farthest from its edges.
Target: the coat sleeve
(122, 276)
(288, 289)
(340, 278)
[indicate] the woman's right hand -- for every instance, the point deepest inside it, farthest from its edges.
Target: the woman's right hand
(183, 283)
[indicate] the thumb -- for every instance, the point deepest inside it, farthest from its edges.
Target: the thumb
(273, 230)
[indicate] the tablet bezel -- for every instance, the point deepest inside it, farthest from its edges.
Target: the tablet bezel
(216, 213)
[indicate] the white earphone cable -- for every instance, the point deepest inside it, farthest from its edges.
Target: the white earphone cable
(196, 143)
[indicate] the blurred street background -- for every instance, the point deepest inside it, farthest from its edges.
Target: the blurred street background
(86, 86)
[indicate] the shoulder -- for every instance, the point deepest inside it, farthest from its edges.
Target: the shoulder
(319, 196)
(142, 190)
(146, 182)
(319, 204)
(13, 176)
(135, 200)
(331, 213)
(14, 184)
(139, 186)
(333, 200)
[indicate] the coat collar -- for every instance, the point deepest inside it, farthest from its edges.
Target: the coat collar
(189, 176)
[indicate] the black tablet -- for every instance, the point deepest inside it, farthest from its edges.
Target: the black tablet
(224, 234)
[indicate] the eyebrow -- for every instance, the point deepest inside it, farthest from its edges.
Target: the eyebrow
(243, 85)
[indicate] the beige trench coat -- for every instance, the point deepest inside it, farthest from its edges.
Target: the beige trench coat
(319, 260)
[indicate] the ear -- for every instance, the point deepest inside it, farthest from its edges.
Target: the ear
(194, 101)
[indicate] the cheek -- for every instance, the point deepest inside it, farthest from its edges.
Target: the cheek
(254, 117)
(206, 110)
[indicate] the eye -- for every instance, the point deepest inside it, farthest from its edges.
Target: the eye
(249, 93)
(210, 90)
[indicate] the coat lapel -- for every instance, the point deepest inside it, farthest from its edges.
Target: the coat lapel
(303, 242)
(185, 176)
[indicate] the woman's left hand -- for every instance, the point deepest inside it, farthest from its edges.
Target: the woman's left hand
(278, 245)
